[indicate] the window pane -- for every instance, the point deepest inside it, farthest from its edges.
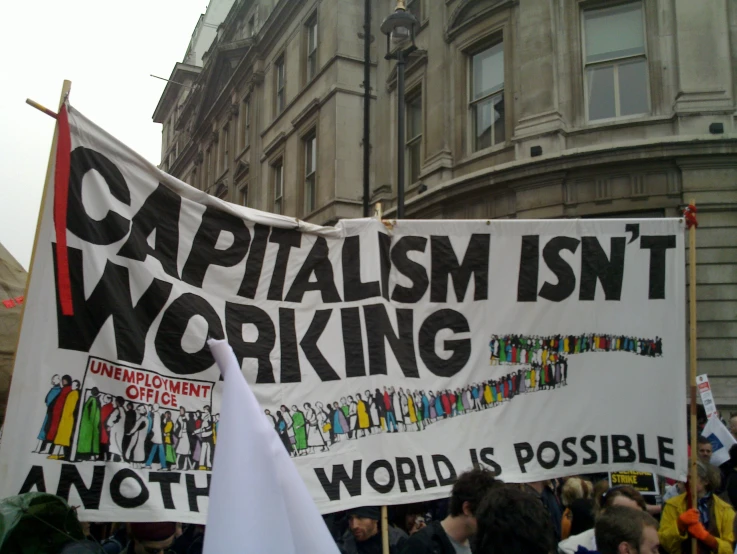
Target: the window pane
(600, 85)
(498, 113)
(414, 117)
(415, 8)
(482, 127)
(414, 161)
(488, 71)
(633, 88)
(614, 32)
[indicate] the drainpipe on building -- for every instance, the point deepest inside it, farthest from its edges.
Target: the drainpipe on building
(366, 104)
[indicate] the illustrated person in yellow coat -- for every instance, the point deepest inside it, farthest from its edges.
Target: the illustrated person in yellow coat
(63, 438)
(363, 418)
(711, 524)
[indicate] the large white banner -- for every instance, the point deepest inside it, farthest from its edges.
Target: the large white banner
(388, 358)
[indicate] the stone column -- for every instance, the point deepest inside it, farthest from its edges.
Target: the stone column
(536, 79)
(703, 58)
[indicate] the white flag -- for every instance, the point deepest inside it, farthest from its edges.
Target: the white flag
(721, 440)
(258, 502)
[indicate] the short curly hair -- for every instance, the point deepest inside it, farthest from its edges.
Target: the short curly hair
(510, 521)
(471, 486)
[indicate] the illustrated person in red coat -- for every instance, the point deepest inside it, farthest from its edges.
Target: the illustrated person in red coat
(105, 411)
(56, 413)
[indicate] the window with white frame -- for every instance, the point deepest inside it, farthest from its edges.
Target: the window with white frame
(280, 78)
(615, 62)
(311, 60)
(245, 123)
(487, 97)
(278, 185)
(414, 137)
(310, 153)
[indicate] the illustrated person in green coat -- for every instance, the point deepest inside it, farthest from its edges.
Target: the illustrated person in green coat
(88, 446)
(300, 432)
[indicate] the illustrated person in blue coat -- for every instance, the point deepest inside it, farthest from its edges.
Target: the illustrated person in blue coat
(49, 400)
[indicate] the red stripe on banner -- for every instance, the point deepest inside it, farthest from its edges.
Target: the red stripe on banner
(61, 195)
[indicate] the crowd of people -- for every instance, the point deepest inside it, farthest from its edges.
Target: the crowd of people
(111, 429)
(581, 514)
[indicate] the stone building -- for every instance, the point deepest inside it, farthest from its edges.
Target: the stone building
(533, 109)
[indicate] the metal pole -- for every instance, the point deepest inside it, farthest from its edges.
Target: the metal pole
(366, 104)
(400, 134)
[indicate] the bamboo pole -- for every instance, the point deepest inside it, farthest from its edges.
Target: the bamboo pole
(65, 89)
(692, 364)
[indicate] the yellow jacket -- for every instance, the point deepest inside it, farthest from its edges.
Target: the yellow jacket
(672, 540)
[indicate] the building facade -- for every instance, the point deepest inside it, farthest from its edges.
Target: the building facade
(534, 109)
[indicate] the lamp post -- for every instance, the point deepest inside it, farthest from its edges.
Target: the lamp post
(399, 29)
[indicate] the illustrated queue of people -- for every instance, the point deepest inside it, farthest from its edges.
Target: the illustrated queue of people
(315, 428)
(520, 349)
(113, 429)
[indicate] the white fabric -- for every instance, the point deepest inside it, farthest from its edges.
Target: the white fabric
(571, 544)
(266, 509)
(721, 440)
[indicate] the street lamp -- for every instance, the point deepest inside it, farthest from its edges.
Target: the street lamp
(399, 29)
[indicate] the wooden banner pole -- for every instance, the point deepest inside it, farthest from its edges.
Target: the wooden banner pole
(385, 530)
(693, 474)
(66, 87)
(378, 213)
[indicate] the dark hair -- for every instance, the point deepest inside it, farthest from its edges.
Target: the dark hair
(621, 524)
(471, 487)
(702, 440)
(606, 500)
(582, 515)
(511, 520)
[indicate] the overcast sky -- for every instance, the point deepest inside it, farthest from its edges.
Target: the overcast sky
(107, 50)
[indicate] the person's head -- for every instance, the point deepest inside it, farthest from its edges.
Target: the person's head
(95, 391)
(141, 410)
(512, 520)
(622, 530)
(623, 495)
(294, 408)
(66, 381)
(129, 406)
(267, 412)
(119, 401)
(307, 406)
(582, 515)
(152, 538)
(335, 405)
(208, 409)
(708, 478)
(468, 491)
(342, 401)
(705, 449)
(364, 522)
(574, 489)
(55, 380)
(182, 411)
(167, 415)
(283, 408)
